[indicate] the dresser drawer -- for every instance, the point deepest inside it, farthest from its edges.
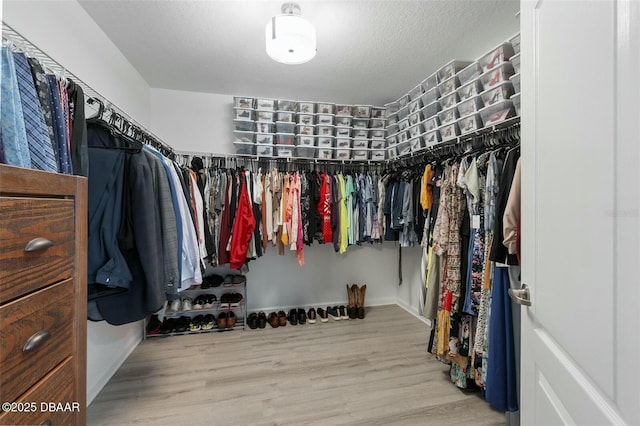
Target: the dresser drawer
(23, 220)
(56, 387)
(49, 310)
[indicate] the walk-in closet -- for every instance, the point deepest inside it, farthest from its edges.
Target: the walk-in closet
(319, 212)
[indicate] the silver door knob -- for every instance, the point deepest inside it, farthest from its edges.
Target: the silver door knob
(521, 297)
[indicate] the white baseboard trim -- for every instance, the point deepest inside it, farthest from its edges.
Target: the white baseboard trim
(413, 311)
(369, 302)
(97, 385)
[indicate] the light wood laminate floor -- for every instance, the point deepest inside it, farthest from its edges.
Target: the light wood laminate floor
(374, 371)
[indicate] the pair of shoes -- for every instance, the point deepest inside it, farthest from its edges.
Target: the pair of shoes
(355, 307)
(337, 313)
(360, 304)
(231, 298)
(323, 315)
(297, 316)
(238, 280)
(196, 323)
(257, 320)
(208, 321)
(181, 305)
(282, 318)
(211, 281)
(182, 324)
(153, 325)
(311, 315)
(168, 325)
(204, 301)
(273, 320)
(226, 320)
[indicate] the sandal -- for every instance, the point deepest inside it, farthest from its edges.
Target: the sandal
(207, 322)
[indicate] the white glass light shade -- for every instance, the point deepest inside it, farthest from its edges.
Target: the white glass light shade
(290, 39)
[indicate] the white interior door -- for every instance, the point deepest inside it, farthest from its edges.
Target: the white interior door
(580, 212)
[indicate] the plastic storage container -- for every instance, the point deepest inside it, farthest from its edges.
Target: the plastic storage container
(430, 82)
(360, 154)
(244, 136)
(403, 124)
(469, 123)
(377, 123)
(448, 101)
(344, 120)
(265, 104)
(515, 61)
(324, 153)
(516, 102)
(404, 148)
(430, 96)
(264, 138)
(496, 56)
(306, 118)
(360, 123)
(502, 91)
(285, 138)
(264, 150)
(392, 118)
(285, 151)
(360, 143)
(431, 124)
(414, 106)
(469, 90)
(448, 86)
(325, 130)
(325, 141)
(362, 111)
(515, 43)
(305, 151)
(343, 142)
(302, 140)
(393, 128)
(496, 113)
(325, 108)
(285, 116)
(377, 144)
(377, 112)
(451, 68)
(325, 119)
(416, 92)
(414, 119)
(341, 154)
(306, 107)
(392, 107)
(343, 110)
(471, 72)
(285, 127)
(430, 110)
(244, 148)
(284, 105)
(305, 129)
(344, 131)
(416, 144)
(360, 133)
(243, 125)
(402, 137)
(391, 139)
(244, 114)
(448, 115)
(496, 76)
(449, 131)
(431, 138)
(515, 79)
(469, 106)
(403, 101)
(243, 102)
(376, 133)
(403, 113)
(392, 152)
(377, 154)
(265, 115)
(265, 127)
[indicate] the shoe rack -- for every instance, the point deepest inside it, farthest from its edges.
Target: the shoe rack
(226, 301)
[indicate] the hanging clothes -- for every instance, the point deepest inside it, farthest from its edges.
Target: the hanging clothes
(243, 227)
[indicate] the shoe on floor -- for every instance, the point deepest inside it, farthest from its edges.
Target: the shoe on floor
(323, 315)
(302, 316)
(168, 326)
(293, 316)
(207, 322)
(196, 323)
(221, 322)
(342, 310)
(311, 315)
(333, 313)
(262, 319)
(231, 319)
(252, 320)
(273, 320)
(182, 324)
(153, 325)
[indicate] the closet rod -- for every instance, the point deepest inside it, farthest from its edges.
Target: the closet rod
(33, 51)
(293, 160)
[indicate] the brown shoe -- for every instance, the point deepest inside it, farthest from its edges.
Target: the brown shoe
(282, 318)
(273, 320)
(361, 291)
(352, 292)
(221, 322)
(231, 319)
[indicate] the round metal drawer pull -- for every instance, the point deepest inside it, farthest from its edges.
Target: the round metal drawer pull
(36, 340)
(38, 244)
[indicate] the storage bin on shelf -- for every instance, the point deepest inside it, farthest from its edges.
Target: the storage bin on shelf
(306, 107)
(448, 115)
(344, 131)
(415, 131)
(378, 144)
(360, 133)
(403, 124)
(360, 123)
(264, 127)
(414, 106)
(430, 110)
(344, 120)
(502, 91)
(469, 90)
(243, 102)
(430, 96)
(360, 143)
(391, 139)
(448, 101)
(451, 68)
(376, 133)
(515, 43)
(303, 151)
(285, 127)
(264, 138)
(285, 151)
(430, 82)
(496, 75)
(377, 112)
(264, 115)
(244, 148)
(243, 114)
(402, 136)
(266, 104)
(403, 112)
(325, 119)
(498, 112)
(341, 154)
(448, 86)
(305, 129)
(496, 56)
(392, 118)
(515, 61)
(431, 124)
(263, 150)
(416, 144)
(285, 138)
(431, 138)
(378, 154)
(243, 125)
(515, 79)
(360, 154)
(325, 108)
(343, 143)
(414, 119)
(361, 111)
(516, 102)
(285, 116)
(471, 72)
(470, 123)
(324, 153)
(285, 105)
(469, 106)
(325, 130)
(306, 118)
(392, 152)
(391, 108)
(377, 123)
(393, 128)
(403, 148)
(343, 110)
(403, 101)
(244, 136)
(449, 131)
(325, 141)
(416, 92)
(304, 140)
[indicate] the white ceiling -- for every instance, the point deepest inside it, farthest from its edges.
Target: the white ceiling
(369, 52)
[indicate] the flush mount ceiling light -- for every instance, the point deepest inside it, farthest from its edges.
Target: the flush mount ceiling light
(290, 38)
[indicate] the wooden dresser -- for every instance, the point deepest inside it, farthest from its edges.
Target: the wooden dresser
(43, 297)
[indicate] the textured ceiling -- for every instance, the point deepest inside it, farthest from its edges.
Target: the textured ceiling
(369, 52)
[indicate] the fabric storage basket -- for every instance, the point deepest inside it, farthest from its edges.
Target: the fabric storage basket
(496, 56)
(450, 69)
(496, 113)
(243, 114)
(431, 138)
(244, 136)
(496, 76)
(285, 127)
(470, 123)
(265, 104)
(471, 72)
(244, 148)
(284, 105)
(265, 127)
(243, 102)
(469, 90)
(449, 131)
(469, 106)
(500, 92)
(243, 125)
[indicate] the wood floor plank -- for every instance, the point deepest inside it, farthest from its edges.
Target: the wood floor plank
(375, 371)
